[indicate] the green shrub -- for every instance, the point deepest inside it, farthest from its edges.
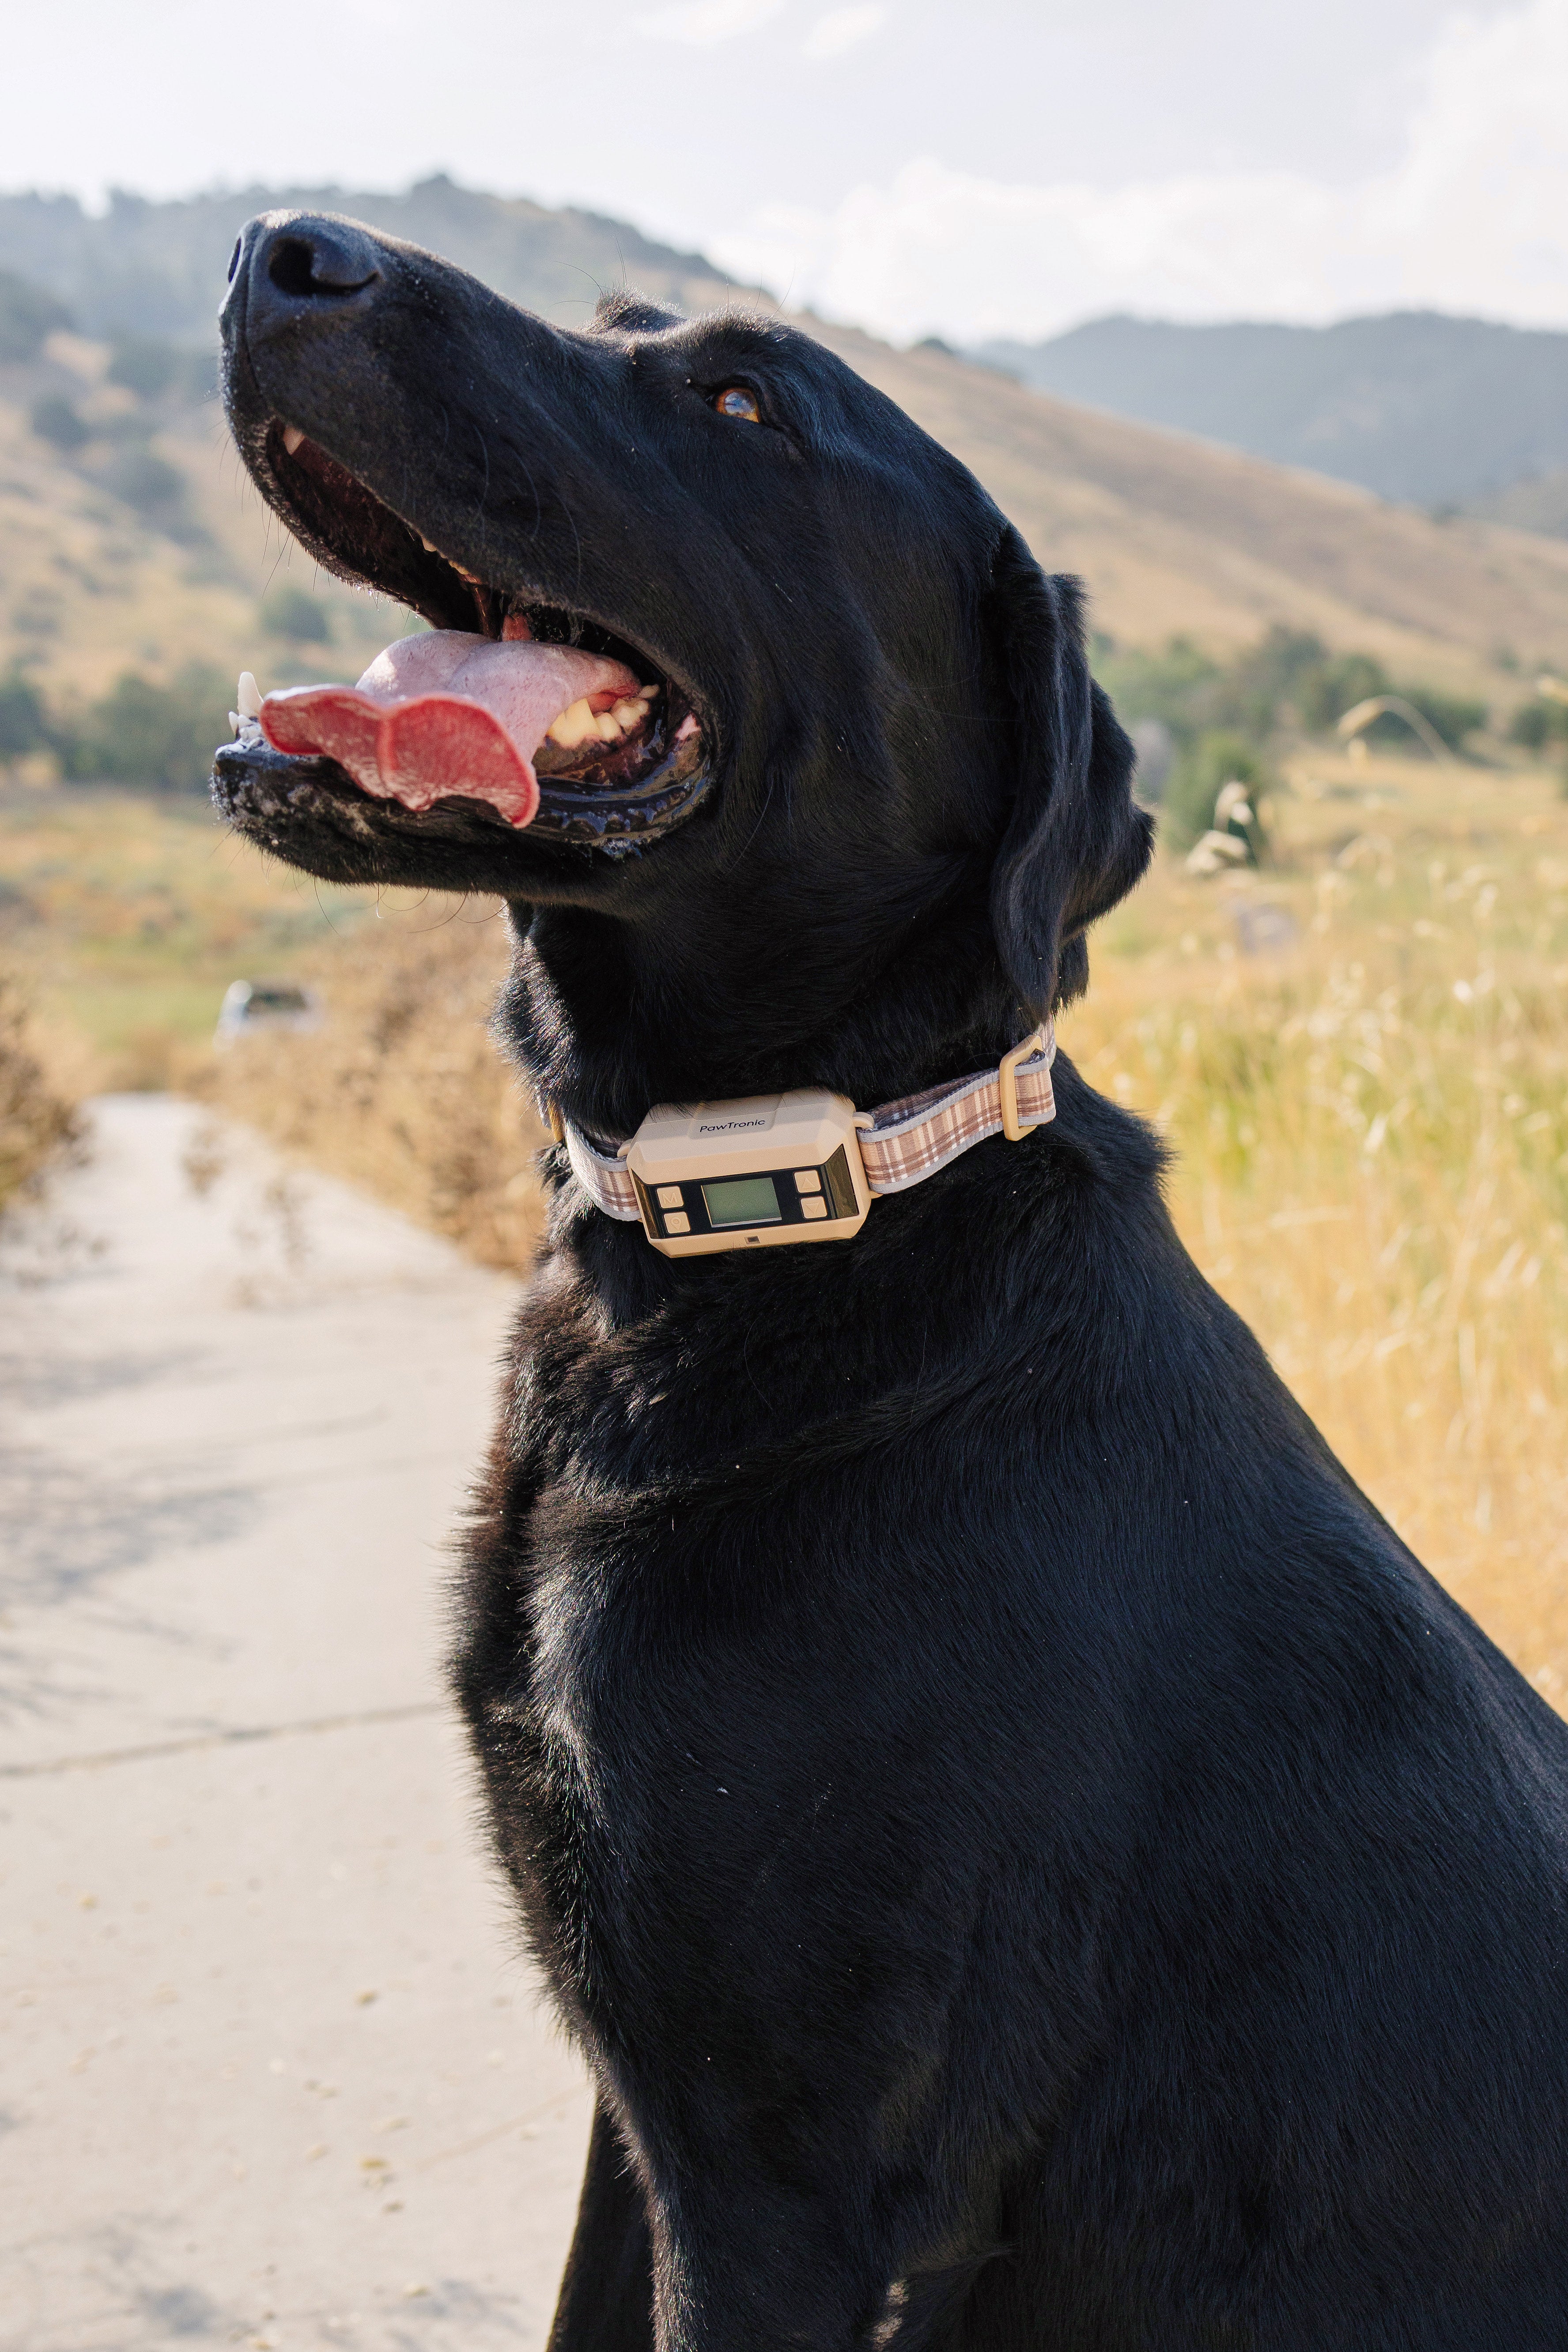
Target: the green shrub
(1288, 680)
(1335, 685)
(27, 315)
(1201, 775)
(35, 1121)
(145, 482)
(53, 418)
(1452, 716)
(1264, 686)
(1177, 686)
(143, 733)
(145, 365)
(291, 613)
(1537, 723)
(22, 720)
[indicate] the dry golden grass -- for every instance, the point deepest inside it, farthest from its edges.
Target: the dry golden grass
(37, 1119)
(127, 916)
(1370, 1141)
(401, 1090)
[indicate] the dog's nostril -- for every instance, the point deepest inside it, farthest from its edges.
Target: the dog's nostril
(290, 266)
(234, 258)
(313, 267)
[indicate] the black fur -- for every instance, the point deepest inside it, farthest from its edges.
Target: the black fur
(1031, 1859)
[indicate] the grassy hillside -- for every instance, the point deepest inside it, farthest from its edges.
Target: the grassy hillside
(1416, 407)
(1174, 537)
(129, 538)
(1538, 503)
(141, 546)
(160, 269)
(96, 577)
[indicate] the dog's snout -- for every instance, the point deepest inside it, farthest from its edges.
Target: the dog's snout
(288, 267)
(315, 261)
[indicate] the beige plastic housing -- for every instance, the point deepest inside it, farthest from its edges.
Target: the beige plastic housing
(754, 1174)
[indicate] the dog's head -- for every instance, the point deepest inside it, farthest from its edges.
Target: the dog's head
(744, 683)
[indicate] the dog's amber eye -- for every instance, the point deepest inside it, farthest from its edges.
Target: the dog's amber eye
(736, 401)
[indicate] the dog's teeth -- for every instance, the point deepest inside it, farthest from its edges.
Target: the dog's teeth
(292, 436)
(581, 723)
(574, 725)
(248, 696)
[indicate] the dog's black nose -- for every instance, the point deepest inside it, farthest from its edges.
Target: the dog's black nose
(288, 266)
(319, 260)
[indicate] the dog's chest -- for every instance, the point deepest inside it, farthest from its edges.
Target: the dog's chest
(641, 1689)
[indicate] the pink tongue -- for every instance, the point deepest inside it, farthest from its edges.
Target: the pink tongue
(445, 713)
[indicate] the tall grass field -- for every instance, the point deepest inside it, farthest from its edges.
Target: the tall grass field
(1369, 1127)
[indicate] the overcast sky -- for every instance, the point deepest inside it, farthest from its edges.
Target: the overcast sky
(969, 167)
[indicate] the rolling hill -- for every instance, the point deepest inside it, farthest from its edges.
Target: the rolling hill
(1175, 536)
(131, 540)
(1437, 411)
(158, 268)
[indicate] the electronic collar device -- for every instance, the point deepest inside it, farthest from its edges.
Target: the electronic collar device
(804, 1166)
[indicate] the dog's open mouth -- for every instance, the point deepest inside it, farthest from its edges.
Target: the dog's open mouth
(544, 716)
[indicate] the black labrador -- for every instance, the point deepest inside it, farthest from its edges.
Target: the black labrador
(1029, 1856)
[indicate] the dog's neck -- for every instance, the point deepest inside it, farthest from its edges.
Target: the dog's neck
(608, 1017)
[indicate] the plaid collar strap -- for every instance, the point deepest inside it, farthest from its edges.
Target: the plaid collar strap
(901, 1144)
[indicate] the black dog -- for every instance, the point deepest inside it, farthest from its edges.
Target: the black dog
(1031, 1857)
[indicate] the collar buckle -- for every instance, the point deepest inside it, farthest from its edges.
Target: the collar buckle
(1013, 1128)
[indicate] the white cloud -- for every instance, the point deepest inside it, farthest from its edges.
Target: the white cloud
(1474, 218)
(702, 24)
(842, 29)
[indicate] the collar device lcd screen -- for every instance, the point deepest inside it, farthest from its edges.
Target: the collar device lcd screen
(743, 1200)
(751, 1174)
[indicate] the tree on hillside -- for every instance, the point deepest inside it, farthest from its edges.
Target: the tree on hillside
(27, 315)
(144, 733)
(291, 613)
(22, 726)
(54, 419)
(145, 365)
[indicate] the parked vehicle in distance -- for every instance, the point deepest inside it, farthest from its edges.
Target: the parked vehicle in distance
(252, 1004)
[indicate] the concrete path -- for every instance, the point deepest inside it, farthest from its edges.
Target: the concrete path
(273, 2072)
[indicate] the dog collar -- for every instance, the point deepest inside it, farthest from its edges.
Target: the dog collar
(800, 1167)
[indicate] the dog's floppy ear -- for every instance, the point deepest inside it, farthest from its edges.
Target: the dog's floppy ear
(1076, 841)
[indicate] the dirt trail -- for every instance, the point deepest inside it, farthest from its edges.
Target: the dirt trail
(273, 2071)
